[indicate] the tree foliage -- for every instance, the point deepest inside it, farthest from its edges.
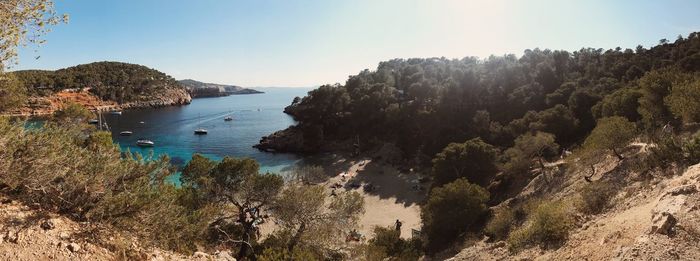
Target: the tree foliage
(451, 210)
(684, 100)
(611, 134)
(473, 160)
(24, 22)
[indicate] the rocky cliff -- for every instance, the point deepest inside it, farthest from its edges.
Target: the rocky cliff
(201, 89)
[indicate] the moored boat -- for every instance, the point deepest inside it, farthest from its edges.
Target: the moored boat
(116, 112)
(200, 131)
(126, 133)
(228, 118)
(145, 143)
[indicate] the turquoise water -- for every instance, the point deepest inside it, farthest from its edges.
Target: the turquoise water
(172, 128)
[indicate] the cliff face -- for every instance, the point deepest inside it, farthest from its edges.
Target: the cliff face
(201, 89)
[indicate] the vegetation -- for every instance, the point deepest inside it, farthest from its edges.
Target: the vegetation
(422, 105)
(120, 82)
(611, 134)
(389, 243)
(473, 160)
(595, 197)
(547, 225)
(527, 148)
(452, 210)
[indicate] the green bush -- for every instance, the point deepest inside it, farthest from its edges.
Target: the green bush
(691, 149)
(388, 240)
(547, 225)
(501, 223)
(595, 197)
(452, 210)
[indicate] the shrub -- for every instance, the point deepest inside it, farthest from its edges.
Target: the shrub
(501, 223)
(452, 210)
(547, 225)
(595, 197)
(611, 133)
(389, 241)
(473, 159)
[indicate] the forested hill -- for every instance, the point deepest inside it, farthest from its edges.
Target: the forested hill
(421, 105)
(113, 81)
(202, 89)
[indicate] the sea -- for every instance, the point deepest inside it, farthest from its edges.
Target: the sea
(172, 128)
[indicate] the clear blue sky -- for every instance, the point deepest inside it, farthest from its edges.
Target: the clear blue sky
(308, 43)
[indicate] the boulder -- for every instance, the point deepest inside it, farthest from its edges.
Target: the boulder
(683, 190)
(223, 256)
(73, 247)
(47, 225)
(663, 223)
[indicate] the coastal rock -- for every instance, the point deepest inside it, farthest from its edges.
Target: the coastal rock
(287, 140)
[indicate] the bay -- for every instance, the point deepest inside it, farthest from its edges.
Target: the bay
(172, 128)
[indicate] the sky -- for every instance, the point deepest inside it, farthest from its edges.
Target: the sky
(295, 43)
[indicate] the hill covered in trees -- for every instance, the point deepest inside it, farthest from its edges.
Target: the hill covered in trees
(422, 105)
(201, 89)
(113, 81)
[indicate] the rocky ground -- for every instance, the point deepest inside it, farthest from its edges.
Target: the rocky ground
(30, 234)
(648, 220)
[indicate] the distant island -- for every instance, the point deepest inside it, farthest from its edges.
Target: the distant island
(198, 89)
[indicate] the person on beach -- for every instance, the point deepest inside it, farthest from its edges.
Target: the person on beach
(398, 225)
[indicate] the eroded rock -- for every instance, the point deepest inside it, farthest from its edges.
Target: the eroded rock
(663, 223)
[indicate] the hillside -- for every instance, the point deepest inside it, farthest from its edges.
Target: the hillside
(200, 89)
(653, 218)
(117, 85)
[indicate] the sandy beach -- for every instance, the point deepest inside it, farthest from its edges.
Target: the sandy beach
(393, 197)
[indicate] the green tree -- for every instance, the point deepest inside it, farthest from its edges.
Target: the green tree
(473, 159)
(528, 147)
(12, 92)
(235, 182)
(623, 102)
(451, 210)
(308, 219)
(684, 101)
(72, 113)
(24, 22)
(612, 133)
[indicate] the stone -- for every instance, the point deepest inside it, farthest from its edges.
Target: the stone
(48, 225)
(663, 223)
(200, 255)
(63, 235)
(683, 190)
(223, 256)
(73, 247)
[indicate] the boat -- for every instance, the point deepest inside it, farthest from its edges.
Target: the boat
(140, 122)
(200, 130)
(228, 118)
(145, 143)
(116, 112)
(94, 121)
(126, 133)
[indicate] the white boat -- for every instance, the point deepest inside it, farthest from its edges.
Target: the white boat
(94, 121)
(140, 122)
(200, 130)
(126, 133)
(145, 143)
(116, 112)
(228, 118)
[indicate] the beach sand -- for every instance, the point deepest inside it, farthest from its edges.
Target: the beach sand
(395, 196)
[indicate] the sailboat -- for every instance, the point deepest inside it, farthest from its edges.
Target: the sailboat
(200, 130)
(228, 118)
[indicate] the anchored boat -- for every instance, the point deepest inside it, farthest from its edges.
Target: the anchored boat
(145, 143)
(126, 133)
